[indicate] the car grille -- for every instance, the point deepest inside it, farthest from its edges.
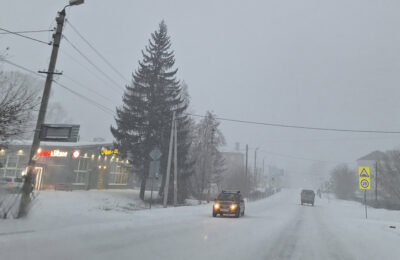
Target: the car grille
(225, 204)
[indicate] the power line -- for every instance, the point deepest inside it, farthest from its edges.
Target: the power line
(23, 68)
(92, 63)
(301, 127)
(295, 157)
(24, 36)
(244, 121)
(87, 88)
(94, 74)
(98, 105)
(299, 158)
(97, 52)
(34, 31)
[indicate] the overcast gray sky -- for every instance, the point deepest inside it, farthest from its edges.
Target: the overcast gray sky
(316, 63)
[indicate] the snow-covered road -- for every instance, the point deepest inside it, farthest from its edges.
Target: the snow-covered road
(273, 228)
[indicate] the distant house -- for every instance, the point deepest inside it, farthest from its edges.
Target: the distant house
(234, 161)
(372, 160)
(233, 176)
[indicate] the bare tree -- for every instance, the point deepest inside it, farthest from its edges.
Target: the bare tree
(344, 182)
(389, 177)
(209, 163)
(18, 103)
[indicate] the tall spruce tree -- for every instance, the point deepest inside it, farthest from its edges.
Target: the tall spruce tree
(144, 120)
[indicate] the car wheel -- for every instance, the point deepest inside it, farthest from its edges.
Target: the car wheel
(214, 214)
(237, 214)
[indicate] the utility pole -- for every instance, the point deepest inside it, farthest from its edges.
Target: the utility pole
(211, 163)
(263, 168)
(28, 180)
(171, 139)
(376, 181)
(47, 87)
(175, 163)
(255, 166)
(247, 165)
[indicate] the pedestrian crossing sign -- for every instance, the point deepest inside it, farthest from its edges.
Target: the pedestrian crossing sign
(363, 171)
(364, 178)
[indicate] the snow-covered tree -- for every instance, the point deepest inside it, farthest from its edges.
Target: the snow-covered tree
(208, 160)
(344, 182)
(144, 120)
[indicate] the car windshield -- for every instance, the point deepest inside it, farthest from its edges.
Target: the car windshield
(228, 196)
(208, 129)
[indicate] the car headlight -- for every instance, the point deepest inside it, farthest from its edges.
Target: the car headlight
(216, 206)
(233, 206)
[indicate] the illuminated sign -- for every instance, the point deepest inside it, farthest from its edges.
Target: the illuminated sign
(105, 151)
(76, 154)
(54, 153)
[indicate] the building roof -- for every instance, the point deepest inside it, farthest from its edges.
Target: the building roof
(60, 144)
(374, 156)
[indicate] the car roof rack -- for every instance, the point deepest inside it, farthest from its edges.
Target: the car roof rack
(230, 191)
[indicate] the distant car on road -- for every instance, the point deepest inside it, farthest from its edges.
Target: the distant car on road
(307, 196)
(229, 202)
(11, 184)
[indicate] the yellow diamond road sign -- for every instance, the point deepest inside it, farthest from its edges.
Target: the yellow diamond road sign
(364, 178)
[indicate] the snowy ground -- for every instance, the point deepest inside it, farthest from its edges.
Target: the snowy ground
(97, 225)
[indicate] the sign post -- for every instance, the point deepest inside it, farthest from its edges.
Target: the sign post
(154, 169)
(364, 184)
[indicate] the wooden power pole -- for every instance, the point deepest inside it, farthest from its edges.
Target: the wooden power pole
(175, 162)
(171, 139)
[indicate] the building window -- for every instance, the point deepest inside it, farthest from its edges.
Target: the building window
(10, 172)
(3, 165)
(11, 165)
(118, 175)
(81, 170)
(12, 162)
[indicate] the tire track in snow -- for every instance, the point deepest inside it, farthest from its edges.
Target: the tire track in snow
(308, 236)
(285, 245)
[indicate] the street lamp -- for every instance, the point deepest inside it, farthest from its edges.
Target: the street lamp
(26, 189)
(76, 2)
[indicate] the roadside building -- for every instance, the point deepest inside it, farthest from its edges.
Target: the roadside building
(373, 160)
(233, 176)
(80, 165)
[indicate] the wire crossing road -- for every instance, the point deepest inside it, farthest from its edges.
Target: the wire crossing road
(273, 228)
